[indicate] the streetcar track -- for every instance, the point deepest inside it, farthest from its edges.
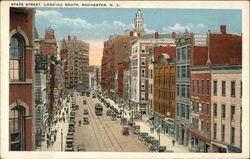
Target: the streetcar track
(106, 131)
(111, 132)
(91, 111)
(94, 131)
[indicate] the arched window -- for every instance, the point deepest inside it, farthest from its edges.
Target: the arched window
(16, 126)
(16, 57)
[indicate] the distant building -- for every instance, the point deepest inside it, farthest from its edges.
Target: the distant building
(21, 76)
(93, 76)
(76, 76)
(138, 23)
(105, 67)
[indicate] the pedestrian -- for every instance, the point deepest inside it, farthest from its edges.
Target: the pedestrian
(173, 141)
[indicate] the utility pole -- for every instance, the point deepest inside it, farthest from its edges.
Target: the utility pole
(61, 139)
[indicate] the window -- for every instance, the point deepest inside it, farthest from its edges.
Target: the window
(184, 52)
(197, 107)
(215, 88)
(223, 133)
(207, 109)
(143, 48)
(202, 107)
(188, 72)
(197, 86)
(151, 88)
(208, 87)
(215, 130)
(188, 52)
(207, 126)
(202, 86)
(187, 108)
(16, 128)
(16, 58)
(143, 73)
(232, 135)
(178, 71)
(151, 73)
(193, 104)
(142, 96)
(183, 71)
(142, 84)
(193, 86)
(182, 90)
(178, 109)
(188, 93)
(178, 90)
(143, 61)
(183, 110)
(232, 88)
(223, 88)
(232, 112)
(178, 54)
(223, 111)
(202, 125)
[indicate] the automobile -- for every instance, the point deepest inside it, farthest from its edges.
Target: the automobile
(81, 148)
(113, 118)
(125, 130)
(142, 135)
(147, 139)
(70, 133)
(85, 111)
(162, 148)
(118, 115)
(76, 107)
(84, 102)
(85, 120)
(69, 149)
(108, 112)
(93, 96)
(88, 94)
(136, 129)
(69, 141)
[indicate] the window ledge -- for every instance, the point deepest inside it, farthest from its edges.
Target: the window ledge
(27, 81)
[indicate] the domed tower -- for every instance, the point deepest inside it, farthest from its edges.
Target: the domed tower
(138, 22)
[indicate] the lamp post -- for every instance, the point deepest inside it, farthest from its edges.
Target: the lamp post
(61, 139)
(159, 132)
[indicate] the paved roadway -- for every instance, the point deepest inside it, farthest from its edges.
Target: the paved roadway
(102, 134)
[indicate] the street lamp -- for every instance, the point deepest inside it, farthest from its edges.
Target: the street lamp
(61, 139)
(159, 132)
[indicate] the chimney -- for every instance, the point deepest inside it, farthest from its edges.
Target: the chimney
(68, 37)
(173, 35)
(223, 29)
(156, 35)
(131, 34)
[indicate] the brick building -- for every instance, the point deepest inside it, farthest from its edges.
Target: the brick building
(139, 67)
(120, 73)
(226, 77)
(105, 67)
(76, 76)
(164, 92)
(21, 88)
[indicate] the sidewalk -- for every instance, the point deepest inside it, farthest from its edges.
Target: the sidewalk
(165, 140)
(58, 126)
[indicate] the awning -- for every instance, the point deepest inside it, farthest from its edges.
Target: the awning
(150, 116)
(234, 148)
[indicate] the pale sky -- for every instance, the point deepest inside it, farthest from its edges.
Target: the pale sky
(95, 25)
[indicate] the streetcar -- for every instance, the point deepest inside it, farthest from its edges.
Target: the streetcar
(98, 109)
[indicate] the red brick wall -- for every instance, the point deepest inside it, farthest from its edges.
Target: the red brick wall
(23, 92)
(203, 97)
(171, 51)
(199, 55)
(225, 49)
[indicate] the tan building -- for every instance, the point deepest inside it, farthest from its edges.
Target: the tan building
(78, 63)
(226, 129)
(164, 93)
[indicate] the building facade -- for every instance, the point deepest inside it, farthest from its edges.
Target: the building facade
(183, 122)
(139, 67)
(77, 64)
(164, 93)
(21, 88)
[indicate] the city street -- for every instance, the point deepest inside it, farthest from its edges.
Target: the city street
(103, 134)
